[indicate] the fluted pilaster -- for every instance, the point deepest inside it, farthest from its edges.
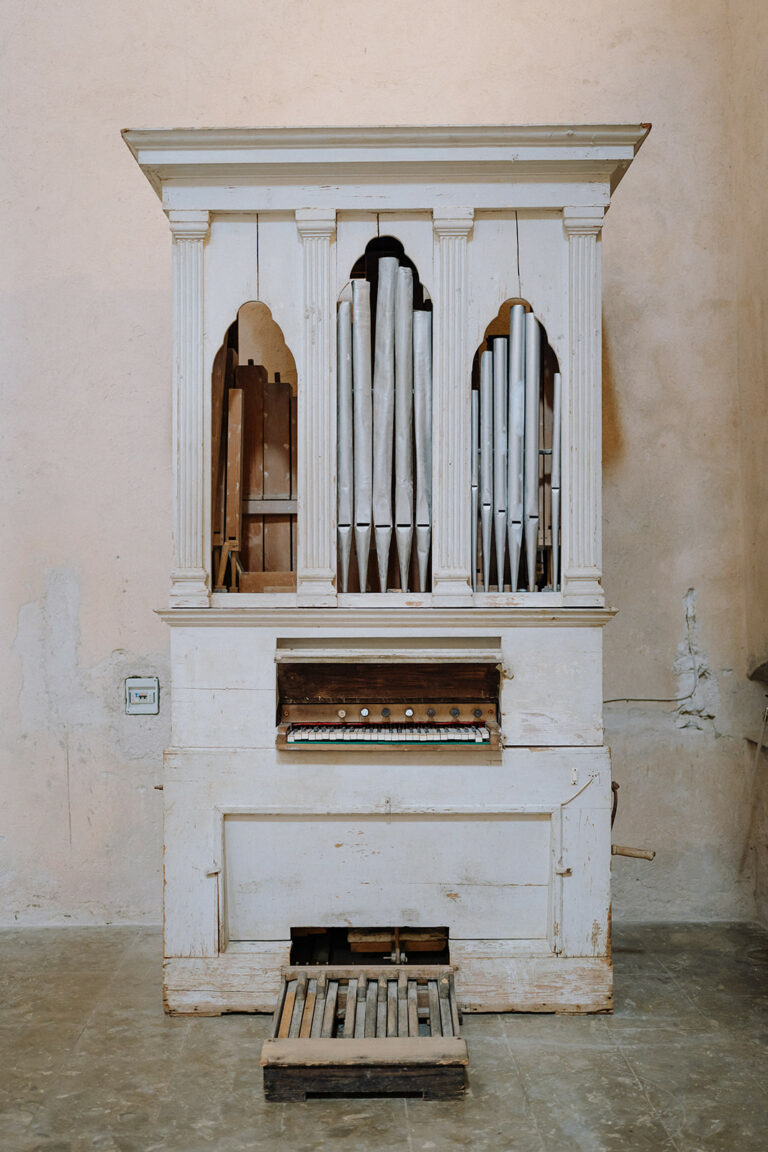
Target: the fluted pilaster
(317, 415)
(189, 578)
(582, 529)
(451, 555)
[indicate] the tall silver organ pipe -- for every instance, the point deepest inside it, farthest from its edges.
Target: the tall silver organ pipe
(475, 440)
(404, 422)
(422, 415)
(384, 412)
(344, 434)
(500, 454)
(532, 376)
(555, 477)
(486, 462)
(363, 423)
(516, 439)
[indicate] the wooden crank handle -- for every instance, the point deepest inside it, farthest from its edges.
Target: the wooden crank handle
(637, 853)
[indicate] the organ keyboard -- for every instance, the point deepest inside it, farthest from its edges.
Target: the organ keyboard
(388, 705)
(360, 725)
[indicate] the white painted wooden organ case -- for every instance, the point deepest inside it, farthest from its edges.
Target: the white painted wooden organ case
(386, 606)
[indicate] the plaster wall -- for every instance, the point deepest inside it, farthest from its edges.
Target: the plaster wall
(86, 473)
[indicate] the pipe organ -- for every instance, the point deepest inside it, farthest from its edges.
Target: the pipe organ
(386, 601)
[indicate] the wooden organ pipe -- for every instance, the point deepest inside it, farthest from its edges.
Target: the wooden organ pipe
(362, 423)
(384, 411)
(344, 466)
(404, 422)
(486, 462)
(516, 434)
(532, 375)
(422, 417)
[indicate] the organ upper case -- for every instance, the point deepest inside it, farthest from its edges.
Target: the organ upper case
(280, 236)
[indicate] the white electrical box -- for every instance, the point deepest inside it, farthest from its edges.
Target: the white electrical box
(142, 696)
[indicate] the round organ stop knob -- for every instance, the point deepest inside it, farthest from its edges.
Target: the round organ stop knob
(385, 711)
(341, 713)
(363, 711)
(409, 711)
(454, 712)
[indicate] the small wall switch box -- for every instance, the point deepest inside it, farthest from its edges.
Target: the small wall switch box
(142, 696)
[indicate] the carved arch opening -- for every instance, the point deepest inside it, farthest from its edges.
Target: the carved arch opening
(516, 455)
(254, 398)
(384, 390)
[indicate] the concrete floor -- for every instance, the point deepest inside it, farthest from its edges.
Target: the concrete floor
(89, 1061)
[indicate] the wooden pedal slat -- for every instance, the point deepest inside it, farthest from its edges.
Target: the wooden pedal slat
(285, 1019)
(278, 1013)
(454, 1006)
(435, 1026)
(413, 1009)
(362, 988)
(402, 1005)
(381, 1007)
(309, 1009)
(351, 1008)
(329, 1015)
(298, 1008)
(445, 1007)
(371, 1001)
(317, 1019)
(391, 1008)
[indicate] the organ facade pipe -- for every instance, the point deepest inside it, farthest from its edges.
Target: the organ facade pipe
(422, 421)
(499, 350)
(486, 462)
(344, 433)
(363, 423)
(191, 528)
(404, 422)
(384, 411)
(516, 433)
(555, 477)
(532, 380)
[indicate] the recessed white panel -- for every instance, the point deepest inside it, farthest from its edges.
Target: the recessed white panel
(484, 877)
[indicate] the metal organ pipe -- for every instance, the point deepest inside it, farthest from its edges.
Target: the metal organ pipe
(532, 376)
(500, 454)
(516, 439)
(486, 462)
(404, 422)
(363, 423)
(422, 418)
(384, 411)
(555, 478)
(344, 449)
(475, 438)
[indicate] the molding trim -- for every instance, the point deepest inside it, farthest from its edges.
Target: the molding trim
(385, 620)
(582, 433)
(189, 578)
(189, 223)
(451, 575)
(316, 577)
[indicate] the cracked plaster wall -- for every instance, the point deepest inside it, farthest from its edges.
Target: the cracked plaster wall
(86, 473)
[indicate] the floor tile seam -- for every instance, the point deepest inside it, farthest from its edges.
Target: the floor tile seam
(528, 1104)
(653, 1110)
